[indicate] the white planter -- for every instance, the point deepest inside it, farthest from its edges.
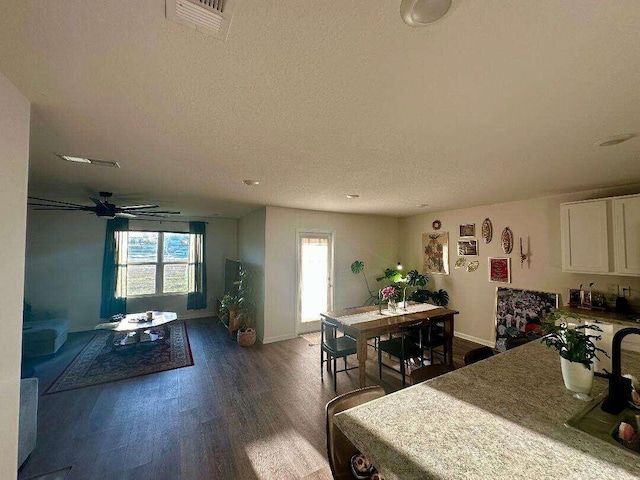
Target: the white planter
(576, 377)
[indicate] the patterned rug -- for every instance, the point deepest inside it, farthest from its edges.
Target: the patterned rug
(96, 363)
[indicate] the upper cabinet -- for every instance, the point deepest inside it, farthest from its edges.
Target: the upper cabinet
(626, 234)
(601, 236)
(585, 246)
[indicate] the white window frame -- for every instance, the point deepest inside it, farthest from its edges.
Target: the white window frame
(159, 264)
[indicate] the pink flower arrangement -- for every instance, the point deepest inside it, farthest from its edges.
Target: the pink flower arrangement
(388, 293)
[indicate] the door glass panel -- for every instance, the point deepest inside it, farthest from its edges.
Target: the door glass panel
(314, 277)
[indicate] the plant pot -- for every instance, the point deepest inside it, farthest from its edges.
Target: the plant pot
(576, 377)
(246, 337)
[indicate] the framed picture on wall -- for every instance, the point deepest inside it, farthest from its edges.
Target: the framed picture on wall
(500, 270)
(467, 247)
(435, 253)
(468, 230)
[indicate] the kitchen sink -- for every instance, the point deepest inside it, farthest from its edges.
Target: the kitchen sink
(603, 425)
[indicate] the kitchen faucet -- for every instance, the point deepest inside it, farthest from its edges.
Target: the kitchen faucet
(619, 386)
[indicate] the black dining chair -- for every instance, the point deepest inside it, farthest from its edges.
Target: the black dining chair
(334, 347)
(403, 348)
(433, 337)
(513, 342)
(477, 354)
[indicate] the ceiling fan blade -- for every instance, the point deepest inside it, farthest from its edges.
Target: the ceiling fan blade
(139, 214)
(54, 201)
(125, 215)
(138, 207)
(61, 209)
(161, 211)
(96, 201)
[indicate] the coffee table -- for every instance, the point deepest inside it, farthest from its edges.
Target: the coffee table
(133, 329)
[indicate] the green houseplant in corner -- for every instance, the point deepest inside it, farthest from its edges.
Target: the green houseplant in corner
(246, 308)
(577, 351)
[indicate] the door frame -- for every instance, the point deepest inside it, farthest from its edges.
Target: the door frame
(313, 326)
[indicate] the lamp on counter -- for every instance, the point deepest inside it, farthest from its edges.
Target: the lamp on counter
(404, 290)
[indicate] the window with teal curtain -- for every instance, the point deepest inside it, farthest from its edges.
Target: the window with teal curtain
(114, 268)
(197, 296)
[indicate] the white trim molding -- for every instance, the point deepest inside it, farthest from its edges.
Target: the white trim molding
(481, 341)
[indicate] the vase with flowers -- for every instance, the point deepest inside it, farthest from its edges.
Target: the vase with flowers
(390, 295)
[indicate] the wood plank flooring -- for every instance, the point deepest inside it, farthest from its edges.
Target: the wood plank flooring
(238, 413)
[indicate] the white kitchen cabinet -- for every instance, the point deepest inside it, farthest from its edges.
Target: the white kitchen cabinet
(585, 243)
(626, 234)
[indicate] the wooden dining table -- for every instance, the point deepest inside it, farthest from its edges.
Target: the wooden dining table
(376, 322)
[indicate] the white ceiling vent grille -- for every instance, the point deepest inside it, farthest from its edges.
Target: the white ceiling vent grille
(212, 17)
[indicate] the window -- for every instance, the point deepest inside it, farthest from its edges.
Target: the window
(157, 263)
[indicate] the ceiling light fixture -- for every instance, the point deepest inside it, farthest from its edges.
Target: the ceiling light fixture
(614, 140)
(417, 13)
(251, 183)
(353, 195)
(89, 161)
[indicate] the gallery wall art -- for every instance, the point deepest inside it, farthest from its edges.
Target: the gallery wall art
(435, 252)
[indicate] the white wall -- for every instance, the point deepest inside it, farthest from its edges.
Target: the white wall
(14, 161)
(251, 251)
(64, 266)
(471, 293)
(372, 239)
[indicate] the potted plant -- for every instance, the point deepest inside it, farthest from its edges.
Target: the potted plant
(246, 332)
(576, 349)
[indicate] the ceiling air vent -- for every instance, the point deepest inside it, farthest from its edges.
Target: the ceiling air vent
(212, 17)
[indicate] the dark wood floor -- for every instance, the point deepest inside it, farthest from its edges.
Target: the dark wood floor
(237, 413)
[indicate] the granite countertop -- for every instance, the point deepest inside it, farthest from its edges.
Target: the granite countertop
(499, 418)
(629, 319)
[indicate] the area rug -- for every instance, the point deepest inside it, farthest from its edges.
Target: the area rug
(96, 363)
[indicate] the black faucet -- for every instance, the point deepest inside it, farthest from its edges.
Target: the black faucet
(619, 386)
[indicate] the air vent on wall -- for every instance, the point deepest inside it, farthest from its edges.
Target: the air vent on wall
(212, 17)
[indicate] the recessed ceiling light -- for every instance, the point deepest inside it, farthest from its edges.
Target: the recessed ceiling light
(353, 195)
(251, 183)
(90, 161)
(614, 140)
(422, 205)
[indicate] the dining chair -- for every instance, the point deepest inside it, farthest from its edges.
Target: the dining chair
(477, 354)
(433, 336)
(513, 342)
(334, 347)
(403, 348)
(339, 447)
(428, 372)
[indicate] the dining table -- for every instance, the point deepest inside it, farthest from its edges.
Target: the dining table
(363, 323)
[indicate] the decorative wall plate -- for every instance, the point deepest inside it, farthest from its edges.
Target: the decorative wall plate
(461, 262)
(487, 230)
(473, 266)
(507, 240)
(436, 224)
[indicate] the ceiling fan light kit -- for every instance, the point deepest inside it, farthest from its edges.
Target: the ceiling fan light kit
(101, 208)
(417, 13)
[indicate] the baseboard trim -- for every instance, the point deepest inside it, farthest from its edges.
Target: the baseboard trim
(471, 338)
(278, 338)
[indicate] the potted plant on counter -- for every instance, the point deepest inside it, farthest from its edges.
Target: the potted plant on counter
(576, 349)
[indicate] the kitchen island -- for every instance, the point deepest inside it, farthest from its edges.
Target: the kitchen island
(503, 417)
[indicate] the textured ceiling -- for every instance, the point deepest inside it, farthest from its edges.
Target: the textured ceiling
(498, 101)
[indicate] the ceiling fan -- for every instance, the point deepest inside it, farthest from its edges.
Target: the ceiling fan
(102, 208)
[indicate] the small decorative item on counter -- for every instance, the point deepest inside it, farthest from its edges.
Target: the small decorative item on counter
(149, 315)
(628, 436)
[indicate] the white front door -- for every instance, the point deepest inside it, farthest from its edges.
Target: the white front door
(315, 279)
